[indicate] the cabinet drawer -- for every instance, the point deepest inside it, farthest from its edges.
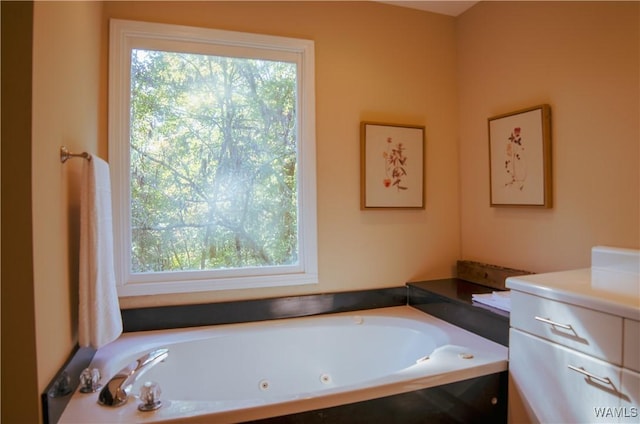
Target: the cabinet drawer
(631, 350)
(585, 330)
(555, 393)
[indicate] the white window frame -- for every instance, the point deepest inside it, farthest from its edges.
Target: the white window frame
(127, 35)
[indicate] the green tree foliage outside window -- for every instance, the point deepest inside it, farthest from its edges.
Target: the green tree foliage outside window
(212, 162)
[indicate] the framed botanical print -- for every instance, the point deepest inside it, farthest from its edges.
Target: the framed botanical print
(392, 166)
(520, 158)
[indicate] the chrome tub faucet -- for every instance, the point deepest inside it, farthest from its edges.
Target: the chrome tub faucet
(117, 390)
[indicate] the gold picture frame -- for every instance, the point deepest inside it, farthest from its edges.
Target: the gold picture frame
(392, 166)
(520, 158)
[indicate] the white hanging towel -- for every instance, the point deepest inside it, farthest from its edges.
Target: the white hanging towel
(99, 317)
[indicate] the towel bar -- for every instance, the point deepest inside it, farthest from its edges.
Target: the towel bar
(65, 155)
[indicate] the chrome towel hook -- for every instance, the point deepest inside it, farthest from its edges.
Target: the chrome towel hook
(65, 155)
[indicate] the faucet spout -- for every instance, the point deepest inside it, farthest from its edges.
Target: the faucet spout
(116, 391)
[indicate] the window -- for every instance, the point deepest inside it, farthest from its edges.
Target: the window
(212, 155)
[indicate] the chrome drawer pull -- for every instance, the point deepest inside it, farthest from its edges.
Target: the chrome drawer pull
(555, 324)
(582, 371)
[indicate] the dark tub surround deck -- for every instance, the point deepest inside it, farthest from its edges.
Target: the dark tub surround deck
(165, 317)
(59, 391)
(450, 300)
(477, 400)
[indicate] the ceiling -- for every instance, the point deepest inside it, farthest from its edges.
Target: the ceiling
(444, 7)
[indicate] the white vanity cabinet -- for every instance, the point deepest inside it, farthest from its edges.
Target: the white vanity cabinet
(631, 367)
(631, 352)
(574, 347)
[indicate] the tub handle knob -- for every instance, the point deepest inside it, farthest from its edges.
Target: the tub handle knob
(150, 396)
(89, 379)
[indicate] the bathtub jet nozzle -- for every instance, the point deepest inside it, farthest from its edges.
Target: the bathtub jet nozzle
(424, 358)
(116, 391)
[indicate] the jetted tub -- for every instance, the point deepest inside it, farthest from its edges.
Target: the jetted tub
(240, 372)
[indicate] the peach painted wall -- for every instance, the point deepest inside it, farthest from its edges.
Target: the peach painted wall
(383, 63)
(582, 58)
(66, 111)
(373, 62)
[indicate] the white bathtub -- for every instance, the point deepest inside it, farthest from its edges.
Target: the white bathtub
(240, 372)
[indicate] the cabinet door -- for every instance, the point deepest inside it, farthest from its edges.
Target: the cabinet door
(562, 385)
(630, 410)
(631, 351)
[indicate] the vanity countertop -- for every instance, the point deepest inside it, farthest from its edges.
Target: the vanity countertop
(610, 285)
